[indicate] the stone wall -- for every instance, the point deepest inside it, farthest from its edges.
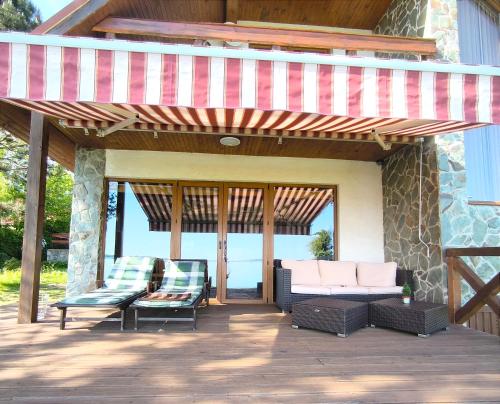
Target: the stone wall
(464, 225)
(403, 18)
(459, 224)
(85, 229)
(400, 182)
(57, 255)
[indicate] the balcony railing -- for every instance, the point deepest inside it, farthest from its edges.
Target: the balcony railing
(486, 293)
(309, 38)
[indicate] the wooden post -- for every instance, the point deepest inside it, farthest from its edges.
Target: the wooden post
(454, 289)
(34, 220)
(120, 215)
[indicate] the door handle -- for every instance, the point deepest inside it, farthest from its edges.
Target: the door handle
(225, 251)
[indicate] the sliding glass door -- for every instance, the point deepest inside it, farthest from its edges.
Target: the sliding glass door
(237, 227)
(200, 227)
(243, 243)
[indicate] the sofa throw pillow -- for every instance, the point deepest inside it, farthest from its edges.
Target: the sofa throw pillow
(303, 272)
(337, 273)
(370, 274)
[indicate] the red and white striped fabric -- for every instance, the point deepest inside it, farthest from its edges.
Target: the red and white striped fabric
(213, 92)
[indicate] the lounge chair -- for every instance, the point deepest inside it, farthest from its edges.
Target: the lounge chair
(184, 286)
(128, 280)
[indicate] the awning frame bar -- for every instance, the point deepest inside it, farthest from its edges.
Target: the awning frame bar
(253, 54)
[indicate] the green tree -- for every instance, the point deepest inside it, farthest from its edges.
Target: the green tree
(321, 245)
(58, 196)
(18, 15)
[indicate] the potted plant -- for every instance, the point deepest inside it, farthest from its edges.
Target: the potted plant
(406, 293)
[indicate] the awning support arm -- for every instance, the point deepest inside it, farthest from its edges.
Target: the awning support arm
(385, 146)
(117, 126)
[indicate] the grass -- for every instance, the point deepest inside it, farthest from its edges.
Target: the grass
(52, 283)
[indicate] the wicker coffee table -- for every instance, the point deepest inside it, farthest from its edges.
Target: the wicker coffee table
(420, 318)
(333, 315)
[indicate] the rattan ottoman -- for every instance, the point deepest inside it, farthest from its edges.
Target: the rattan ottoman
(420, 318)
(333, 315)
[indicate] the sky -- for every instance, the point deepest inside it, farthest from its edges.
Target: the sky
(49, 7)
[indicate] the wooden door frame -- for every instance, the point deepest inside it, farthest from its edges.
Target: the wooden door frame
(220, 194)
(265, 238)
(268, 224)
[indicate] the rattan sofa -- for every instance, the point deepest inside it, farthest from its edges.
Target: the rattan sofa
(285, 298)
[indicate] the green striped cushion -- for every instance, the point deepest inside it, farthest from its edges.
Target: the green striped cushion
(131, 273)
(101, 297)
(183, 276)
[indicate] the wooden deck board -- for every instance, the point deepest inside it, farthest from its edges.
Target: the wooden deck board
(241, 354)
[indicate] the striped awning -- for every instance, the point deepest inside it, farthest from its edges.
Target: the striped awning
(95, 83)
(295, 208)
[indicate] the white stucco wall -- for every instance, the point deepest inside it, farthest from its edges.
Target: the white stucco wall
(359, 186)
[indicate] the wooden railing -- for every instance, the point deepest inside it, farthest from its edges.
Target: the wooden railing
(60, 240)
(291, 38)
(486, 293)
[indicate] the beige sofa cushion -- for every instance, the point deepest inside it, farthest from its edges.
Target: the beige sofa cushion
(385, 290)
(370, 274)
(310, 290)
(349, 290)
(303, 272)
(337, 273)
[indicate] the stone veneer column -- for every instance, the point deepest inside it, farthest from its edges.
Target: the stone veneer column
(400, 182)
(86, 219)
(400, 185)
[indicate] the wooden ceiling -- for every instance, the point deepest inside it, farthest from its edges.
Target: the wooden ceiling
(358, 14)
(258, 146)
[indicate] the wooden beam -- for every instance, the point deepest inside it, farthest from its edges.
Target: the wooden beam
(477, 302)
(473, 252)
(476, 282)
(120, 216)
(70, 16)
(266, 36)
(17, 122)
(34, 219)
(454, 289)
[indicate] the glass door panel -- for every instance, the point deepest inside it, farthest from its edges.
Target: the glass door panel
(200, 227)
(243, 243)
(139, 219)
(303, 223)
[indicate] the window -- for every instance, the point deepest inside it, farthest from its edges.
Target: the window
(303, 223)
(478, 38)
(139, 221)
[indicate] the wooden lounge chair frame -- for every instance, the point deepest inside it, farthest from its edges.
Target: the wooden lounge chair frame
(122, 306)
(204, 295)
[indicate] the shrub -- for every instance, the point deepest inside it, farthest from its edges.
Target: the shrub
(12, 264)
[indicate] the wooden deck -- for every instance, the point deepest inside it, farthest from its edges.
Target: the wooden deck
(241, 354)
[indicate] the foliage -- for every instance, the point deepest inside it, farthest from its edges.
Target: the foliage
(406, 290)
(13, 160)
(58, 200)
(321, 245)
(57, 208)
(52, 282)
(18, 15)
